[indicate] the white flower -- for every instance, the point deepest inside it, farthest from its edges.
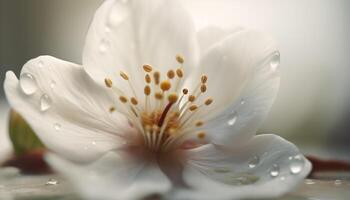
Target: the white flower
(133, 122)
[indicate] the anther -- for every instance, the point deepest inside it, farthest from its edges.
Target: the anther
(203, 88)
(201, 135)
(156, 76)
(165, 85)
(158, 95)
(172, 98)
(208, 101)
(193, 108)
(108, 82)
(199, 123)
(180, 59)
(112, 109)
(171, 74)
(179, 73)
(147, 90)
(191, 98)
(204, 79)
(148, 78)
(124, 75)
(147, 68)
(185, 91)
(134, 101)
(123, 99)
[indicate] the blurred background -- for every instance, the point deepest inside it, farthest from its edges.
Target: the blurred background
(313, 106)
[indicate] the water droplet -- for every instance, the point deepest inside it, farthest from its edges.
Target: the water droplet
(282, 178)
(275, 170)
(93, 143)
(338, 182)
(53, 84)
(57, 126)
(242, 102)
(118, 14)
(52, 181)
(275, 62)
(296, 164)
(45, 102)
(232, 120)
(254, 162)
(28, 83)
(104, 45)
(309, 182)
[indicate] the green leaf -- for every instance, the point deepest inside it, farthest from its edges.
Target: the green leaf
(22, 135)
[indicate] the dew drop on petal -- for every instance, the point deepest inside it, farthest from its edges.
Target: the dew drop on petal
(52, 181)
(254, 162)
(338, 182)
(28, 83)
(309, 182)
(275, 170)
(116, 17)
(104, 45)
(242, 102)
(232, 120)
(53, 84)
(57, 126)
(275, 62)
(282, 178)
(93, 143)
(296, 164)
(45, 102)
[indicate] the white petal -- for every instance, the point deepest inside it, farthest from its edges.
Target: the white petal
(227, 174)
(68, 111)
(114, 177)
(243, 82)
(126, 35)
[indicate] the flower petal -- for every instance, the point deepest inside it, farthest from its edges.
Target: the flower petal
(243, 82)
(114, 177)
(269, 166)
(126, 35)
(68, 111)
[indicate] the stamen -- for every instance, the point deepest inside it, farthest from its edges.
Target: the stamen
(199, 123)
(147, 68)
(123, 99)
(180, 59)
(108, 82)
(165, 85)
(203, 88)
(201, 135)
(208, 101)
(191, 98)
(204, 79)
(193, 108)
(179, 73)
(158, 95)
(173, 98)
(171, 74)
(124, 75)
(156, 76)
(148, 78)
(185, 91)
(147, 90)
(112, 109)
(134, 101)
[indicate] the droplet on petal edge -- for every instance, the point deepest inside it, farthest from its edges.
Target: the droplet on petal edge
(275, 62)
(57, 126)
(296, 164)
(45, 102)
(275, 170)
(232, 119)
(28, 83)
(254, 162)
(52, 181)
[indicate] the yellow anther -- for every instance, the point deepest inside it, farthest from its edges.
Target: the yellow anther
(156, 76)
(193, 108)
(147, 90)
(171, 74)
(191, 98)
(112, 109)
(147, 68)
(185, 91)
(179, 73)
(203, 88)
(199, 123)
(134, 101)
(204, 79)
(108, 82)
(180, 59)
(148, 78)
(158, 95)
(172, 98)
(165, 85)
(201, 135)
(124, 75)
(208, 101)
(123, 99)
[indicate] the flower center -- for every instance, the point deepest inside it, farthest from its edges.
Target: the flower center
(169, 113)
